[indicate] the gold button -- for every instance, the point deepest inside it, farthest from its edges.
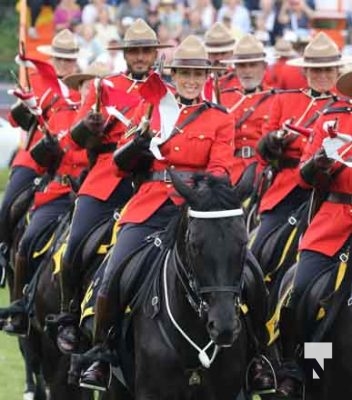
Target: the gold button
(168, 185)
(304, 139)
(172, 167)
(176, 148)
(250, 96)
(244, 138)
(201, 137)
(266, 117)
(245, 109)
(185, 111)
(244, 125)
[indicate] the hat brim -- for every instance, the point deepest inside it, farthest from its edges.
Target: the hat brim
(300, 62)
(242, 60)
(47, 49)
(185, 66)
(344, 84)
(130, 46)
(74, 81)
(288, 54)
(218, 49)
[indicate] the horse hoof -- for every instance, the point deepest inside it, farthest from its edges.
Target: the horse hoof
(28, 395)
(97, 376)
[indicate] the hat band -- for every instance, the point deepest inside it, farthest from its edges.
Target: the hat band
(140, 42)
(248, 56)
(323, 59)
(220, 44)
(194, 62)
(65, 51)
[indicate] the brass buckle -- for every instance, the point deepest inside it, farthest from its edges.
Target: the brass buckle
(246, 152)
(167, 177)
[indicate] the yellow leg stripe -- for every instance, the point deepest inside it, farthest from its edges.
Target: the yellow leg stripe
(45, 248)
(272, 325)
(57, 258)
(283, 254)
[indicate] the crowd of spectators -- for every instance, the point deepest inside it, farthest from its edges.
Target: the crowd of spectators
(100, 22)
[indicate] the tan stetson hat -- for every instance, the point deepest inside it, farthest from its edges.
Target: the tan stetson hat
(320, 52)
(139, 34)
(191, 53)
(284, 48)
(247, 49)
(63, 45)
(95, 70)
(218, 39)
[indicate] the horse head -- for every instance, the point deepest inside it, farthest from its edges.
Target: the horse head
(212, 245)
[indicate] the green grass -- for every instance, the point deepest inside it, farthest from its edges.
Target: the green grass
(8, 40)
(4, 175)
(11, 364)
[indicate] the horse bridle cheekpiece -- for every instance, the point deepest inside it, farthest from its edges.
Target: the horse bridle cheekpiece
(202, 355)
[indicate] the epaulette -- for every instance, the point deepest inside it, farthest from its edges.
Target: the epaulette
(216, 106)
(337, 110)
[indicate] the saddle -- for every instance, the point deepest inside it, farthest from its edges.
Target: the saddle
(322, 295)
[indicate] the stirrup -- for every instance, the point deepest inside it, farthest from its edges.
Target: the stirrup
(91, 385)
(267, 362)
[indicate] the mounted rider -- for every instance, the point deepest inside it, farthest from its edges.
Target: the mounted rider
(249, 103)
(281, 152)
(63, 162)
(201, 139)
(323, 245)
(103, 192)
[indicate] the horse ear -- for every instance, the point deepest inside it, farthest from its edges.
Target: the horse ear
(182, 188)
(244, 187)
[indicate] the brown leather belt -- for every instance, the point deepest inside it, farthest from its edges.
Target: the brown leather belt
(342, 198)
(164, 176)
(64, 180)
(245, 152)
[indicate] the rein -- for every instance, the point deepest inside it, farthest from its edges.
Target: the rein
(189, 285)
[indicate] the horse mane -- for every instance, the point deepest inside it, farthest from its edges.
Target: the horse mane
(214, 193)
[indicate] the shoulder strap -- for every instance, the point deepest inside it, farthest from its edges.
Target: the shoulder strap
(251, 109)
(194, 115)
(337, 110)
(317, 113)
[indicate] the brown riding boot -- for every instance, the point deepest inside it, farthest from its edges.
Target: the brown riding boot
(18, 324)
(68, 330)
(98, 375)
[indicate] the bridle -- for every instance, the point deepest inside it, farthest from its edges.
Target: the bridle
(193, 291)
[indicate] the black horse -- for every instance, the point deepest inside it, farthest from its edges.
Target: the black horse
(196, 345)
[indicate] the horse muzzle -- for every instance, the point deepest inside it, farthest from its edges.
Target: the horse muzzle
(224, 334)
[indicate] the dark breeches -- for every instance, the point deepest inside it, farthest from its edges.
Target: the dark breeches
(89, 213)
(21, 177)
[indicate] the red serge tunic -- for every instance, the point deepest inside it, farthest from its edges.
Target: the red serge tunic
(73, 161)
(332, 225)
(50, 104)
(249, 112)
(204, 144)
(102, 180)
(303, 109)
